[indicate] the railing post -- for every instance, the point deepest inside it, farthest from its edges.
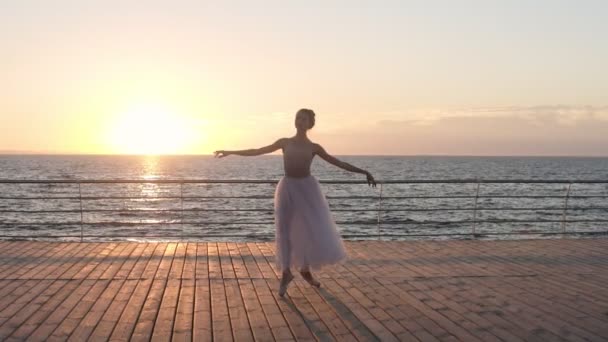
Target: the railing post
(81, 218)
(379, 211)
(475, 209)
(181, 199)
(565, 208)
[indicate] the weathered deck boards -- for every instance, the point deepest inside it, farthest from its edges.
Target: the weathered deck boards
(532, 290)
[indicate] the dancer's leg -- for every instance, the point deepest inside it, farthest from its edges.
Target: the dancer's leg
(286, 278)
(305, 272)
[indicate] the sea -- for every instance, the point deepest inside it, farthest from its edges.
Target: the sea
(235, 211)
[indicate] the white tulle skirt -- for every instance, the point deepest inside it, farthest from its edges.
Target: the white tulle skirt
(306, 235)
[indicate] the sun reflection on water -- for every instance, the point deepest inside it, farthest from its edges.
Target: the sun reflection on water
(150, 167)
(149, 192)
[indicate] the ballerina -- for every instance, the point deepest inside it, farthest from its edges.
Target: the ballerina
(306, 235)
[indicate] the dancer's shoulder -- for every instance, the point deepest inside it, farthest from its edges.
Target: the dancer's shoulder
(317, 148)
(281, 142)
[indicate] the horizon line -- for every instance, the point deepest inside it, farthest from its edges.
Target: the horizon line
(26, 153)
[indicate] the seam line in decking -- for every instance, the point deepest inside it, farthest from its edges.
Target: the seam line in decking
(80, 282)
(147, 262)
(105, 288)
(37, 292)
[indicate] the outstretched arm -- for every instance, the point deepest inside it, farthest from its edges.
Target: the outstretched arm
(254, 151)
(320, 151)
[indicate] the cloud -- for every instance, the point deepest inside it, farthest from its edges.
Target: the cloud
(542, 130)
(538, 115)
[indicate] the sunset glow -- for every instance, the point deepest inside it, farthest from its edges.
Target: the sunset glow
(150, 129)
(399, 78)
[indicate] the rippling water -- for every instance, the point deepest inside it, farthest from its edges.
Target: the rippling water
(413, 216)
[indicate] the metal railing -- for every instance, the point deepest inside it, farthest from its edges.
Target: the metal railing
(560, 193)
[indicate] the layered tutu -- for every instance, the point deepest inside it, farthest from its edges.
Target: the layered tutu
(306, 235)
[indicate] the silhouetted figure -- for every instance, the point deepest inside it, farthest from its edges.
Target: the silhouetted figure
(306, 235)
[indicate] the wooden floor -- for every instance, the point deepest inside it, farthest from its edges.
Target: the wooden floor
(534, 290)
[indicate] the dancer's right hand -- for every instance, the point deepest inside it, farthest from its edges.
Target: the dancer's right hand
(221, 154)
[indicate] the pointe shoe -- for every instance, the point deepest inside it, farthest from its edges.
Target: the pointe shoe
(309, 278)
(284, 283)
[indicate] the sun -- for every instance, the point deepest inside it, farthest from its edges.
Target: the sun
(150, 129)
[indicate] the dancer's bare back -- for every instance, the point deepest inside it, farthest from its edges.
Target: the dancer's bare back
(299, 153)
(297, 156)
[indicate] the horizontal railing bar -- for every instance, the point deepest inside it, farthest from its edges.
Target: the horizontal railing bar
(177, 222)
(270, 235)
(468, 233)
(489, 209)
(481, 234)
(271, 210)
(271, 197)
(123, 223)
(486, 221)
(257, 181)
(136, 236)
(464, 196)
(134, 210)
(140, 197)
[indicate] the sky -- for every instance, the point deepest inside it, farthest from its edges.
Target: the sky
(384, 77)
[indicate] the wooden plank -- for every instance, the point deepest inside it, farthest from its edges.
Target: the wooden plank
(144, 326)
(91, 319)
(220, 317)
(183, 327)
(111, 298)
(100, 263)
(18, 255)
(401, 319)
(202, 326)
(146, 269)
(299, 325)
(127, 267)
(163, 327)
(64, 320)
(44, 320)
(226, 266)
(24, 250)
(35, 306)
(35, 269)
(202, 261)
(554, 316)
(177, 266)
(6, 291)
(109, 320)
(532, 326)
(276, 320)
(300, 303)
(189, 271)
(58, 303)
(117, 261)
(27, 305)
(474, 321)
(213, 261)
(53, 267)
(59, 266)
(239, 321)
(465, 299)
(260, 329)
